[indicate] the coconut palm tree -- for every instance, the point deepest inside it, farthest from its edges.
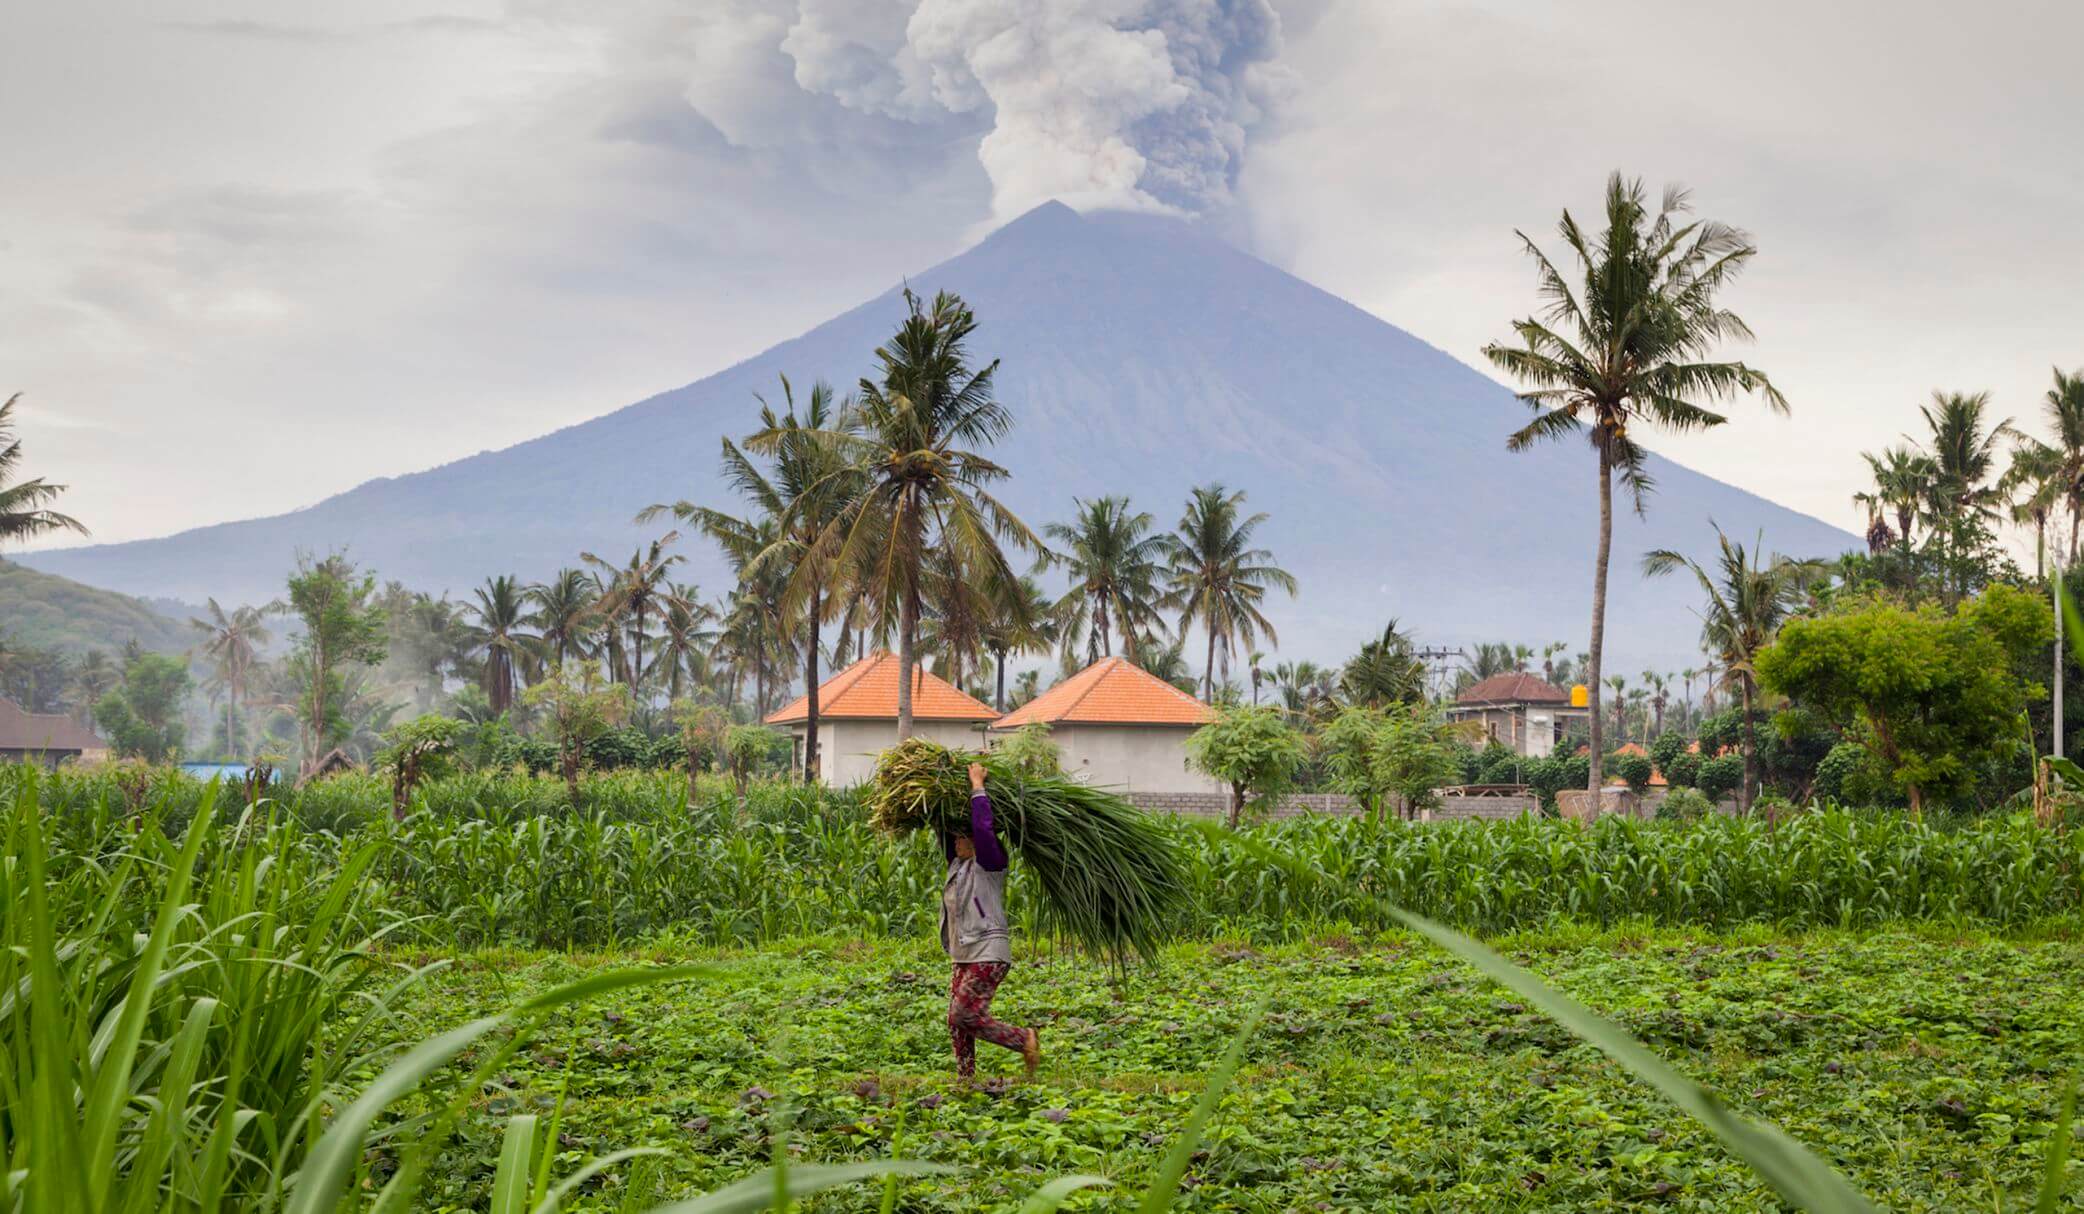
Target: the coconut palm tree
(1900, 477)
(1660, 696)
(755, 630)
(2063, 410)
(231, 640)
(1629, 347)
(1747, 600)
(1619, 682)
(1385, 671)
(564, 613)
(629, 594)
(1168, 661)
(1026, 686)
(1256, 663)
(1115, 562)
(808, 482)
(498, 617)
(25, 511)
(1020, 623)
(2036, 486)
(923, 488)
(94, 677)
(686, 633)
(1218, 579)
(1961, 495)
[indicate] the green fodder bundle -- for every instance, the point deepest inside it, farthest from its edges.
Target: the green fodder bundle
(1111, 876)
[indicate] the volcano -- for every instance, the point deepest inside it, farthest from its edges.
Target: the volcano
(1139, 356)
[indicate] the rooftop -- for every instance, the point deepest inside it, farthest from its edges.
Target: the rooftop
(35, 731)
(1111, 691)
(1514, 687)
(867, 691)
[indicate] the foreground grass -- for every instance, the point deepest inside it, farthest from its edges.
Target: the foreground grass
(1387, 1077)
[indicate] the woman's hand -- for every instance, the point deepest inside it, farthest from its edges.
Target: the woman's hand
(976, 777)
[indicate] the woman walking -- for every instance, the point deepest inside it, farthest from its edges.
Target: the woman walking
(974, 933)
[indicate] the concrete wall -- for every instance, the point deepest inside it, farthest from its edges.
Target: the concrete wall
(1131, 759)
(848, 749)
(1296, 804)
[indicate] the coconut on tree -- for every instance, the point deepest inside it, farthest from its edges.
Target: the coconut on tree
(1624, 343)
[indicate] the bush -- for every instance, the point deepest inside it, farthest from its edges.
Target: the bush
(1666, 750)
(1031, 750)
(1720, 776)
(1683, 771)
(1633, 769)
(1500, 766)
(1683, 805)
(1839, 768)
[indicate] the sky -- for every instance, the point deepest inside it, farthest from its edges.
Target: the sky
(255, 253)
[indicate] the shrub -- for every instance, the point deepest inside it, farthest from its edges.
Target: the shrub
(1683, 805)
(1500, 766)
(1839, 768)
(1683, 771)
(1633, 769)
(1666, 749)
(1031, 751)
(1720, 776)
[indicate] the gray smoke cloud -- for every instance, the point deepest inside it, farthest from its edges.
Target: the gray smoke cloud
(1135, 104)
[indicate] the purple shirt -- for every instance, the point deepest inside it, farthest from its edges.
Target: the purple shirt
(991, 854)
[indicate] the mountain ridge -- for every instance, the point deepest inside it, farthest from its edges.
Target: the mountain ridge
(1139, 356)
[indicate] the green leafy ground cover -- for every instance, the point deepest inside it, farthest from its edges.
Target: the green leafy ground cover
(1387, 1077)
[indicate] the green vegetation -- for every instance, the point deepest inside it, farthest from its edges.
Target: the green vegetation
(1253, 750)
(47, 612)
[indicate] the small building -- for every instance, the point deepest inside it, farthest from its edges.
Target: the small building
(857, 717)
(1518, 711)
(46, 738)
(1118, 726)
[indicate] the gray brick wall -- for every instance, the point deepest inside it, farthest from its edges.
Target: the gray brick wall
(1215, 805)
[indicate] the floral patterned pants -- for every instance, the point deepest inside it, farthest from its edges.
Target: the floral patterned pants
(969, 1013)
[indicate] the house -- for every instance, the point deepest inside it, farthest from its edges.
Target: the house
(857, 717)
(1118, 726)
(1518, 711)
(46, 738)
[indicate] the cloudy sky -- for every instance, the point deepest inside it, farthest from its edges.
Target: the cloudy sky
(255, 253)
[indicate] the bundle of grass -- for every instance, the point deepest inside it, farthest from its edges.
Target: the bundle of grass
(1111, 875)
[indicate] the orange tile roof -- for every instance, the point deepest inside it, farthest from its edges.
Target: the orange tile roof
(867, 691)
(1111, 691)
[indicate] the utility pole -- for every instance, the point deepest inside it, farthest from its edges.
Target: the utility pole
(1436, 670)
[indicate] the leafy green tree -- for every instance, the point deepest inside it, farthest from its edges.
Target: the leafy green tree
(1378, 756)
(1683, 771)
(1033, 751)
(1217, 578)
(701, 731)
(142, 718)
(343, 629)
(1635, 770)
(745, 748)
(1719, 777)
(1627, 348)
(1253, 750)
(1115, 562)
(1932, 695)
(1668, 747)
(25, 511)
(420, 749)
(1747, 600)
(921, 492)
(580, 709)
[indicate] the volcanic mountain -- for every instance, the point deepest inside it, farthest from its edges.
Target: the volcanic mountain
(1140, 356)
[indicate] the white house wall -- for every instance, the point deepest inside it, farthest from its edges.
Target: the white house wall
(1131, 758)
(849, 749)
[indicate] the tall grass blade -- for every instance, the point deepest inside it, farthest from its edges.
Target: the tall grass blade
(2056, 1170)
(1053, 1195)
(1174, 1169)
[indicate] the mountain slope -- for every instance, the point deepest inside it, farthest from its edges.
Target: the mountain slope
(43, 611)
(1139, 356)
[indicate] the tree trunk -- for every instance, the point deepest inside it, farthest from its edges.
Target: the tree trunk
(1000, 703)
(1237, 804)
(1208, 673)
(1596, 752)
(1750, 746)
(570, 762)
(810, 684)
(907, 626)
(1102, 641)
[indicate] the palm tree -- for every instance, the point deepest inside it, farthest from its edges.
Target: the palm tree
(1963, 451)
(628, 594)
(1900, 477)
(685, 636)
(1026, 686)
(2058, 467)
(2036, 485)
(1385, 671)
(231, 641)
(1629, 347)
(920, 492)
(1549, 665)
(563, 616)
(1020, 623)
(1686, 714)
(1257, 662)
(25, 505)
(1746, 603)
(810, 480)
(500, 613)
(1114, 561)
(1619, 682)
(1168, 661)
(1660, 695)
(93, 678)
(1218, 579)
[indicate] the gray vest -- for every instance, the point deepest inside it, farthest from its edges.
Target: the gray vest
(973, 914)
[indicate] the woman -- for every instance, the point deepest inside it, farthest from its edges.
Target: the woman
(973, 931)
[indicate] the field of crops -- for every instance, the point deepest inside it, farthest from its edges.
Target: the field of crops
(197, 992)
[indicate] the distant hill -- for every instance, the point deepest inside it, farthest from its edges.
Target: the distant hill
(45, 611)
(1140, 356)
